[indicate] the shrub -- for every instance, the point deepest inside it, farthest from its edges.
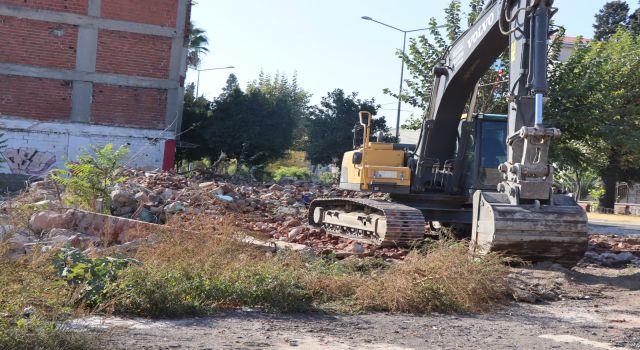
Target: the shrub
(328, 177)
(93, 274)
(291, 172)
(92, 177)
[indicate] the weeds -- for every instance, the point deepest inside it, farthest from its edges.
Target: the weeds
(198, 273)
(298, 173)
(93, 274)
(45, 336)
(444, 279)
(32, 301)
(92, 177)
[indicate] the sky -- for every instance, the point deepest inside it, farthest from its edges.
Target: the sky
(328, 45)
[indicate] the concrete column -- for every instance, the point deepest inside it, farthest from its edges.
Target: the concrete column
(177, 70)
(86, 53)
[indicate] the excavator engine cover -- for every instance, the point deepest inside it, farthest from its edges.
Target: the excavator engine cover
(556, 232)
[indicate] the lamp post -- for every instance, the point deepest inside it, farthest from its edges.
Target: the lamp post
(204, 70)
(404, 45)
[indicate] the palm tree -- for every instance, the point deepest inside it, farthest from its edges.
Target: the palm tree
(198, 43)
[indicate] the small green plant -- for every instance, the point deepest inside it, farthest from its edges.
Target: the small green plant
(93, 274)
(597, 191)
(328, 177)
(292, 172)
(92, 177)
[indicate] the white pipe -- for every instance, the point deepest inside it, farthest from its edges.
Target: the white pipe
(539, 104)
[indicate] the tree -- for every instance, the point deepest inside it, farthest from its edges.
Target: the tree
(294, 99)
(198, 44)
(634, 22)
(331, 125)
(613, 15)
(413, 123)
(595, 101)
(423, 55)
(254, 126)
(195, 113)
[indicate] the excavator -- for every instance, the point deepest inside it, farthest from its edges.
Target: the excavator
(484, 175)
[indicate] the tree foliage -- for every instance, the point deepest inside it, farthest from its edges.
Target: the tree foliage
(595, 101)
(92, 176)
(254, 127)
(613, 15)
(196, 111)
(197, 46)
(424, 54)
(634, 21)
(331, 125)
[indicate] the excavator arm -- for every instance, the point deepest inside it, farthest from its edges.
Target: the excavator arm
(523, 217)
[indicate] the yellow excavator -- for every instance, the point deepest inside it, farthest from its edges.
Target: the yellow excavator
(487, 176)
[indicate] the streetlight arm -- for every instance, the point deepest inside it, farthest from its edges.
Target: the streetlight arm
(418, 30)
(384, 24)
(208, 69)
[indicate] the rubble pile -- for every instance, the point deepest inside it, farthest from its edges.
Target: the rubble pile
(275, 212)
(613, 251)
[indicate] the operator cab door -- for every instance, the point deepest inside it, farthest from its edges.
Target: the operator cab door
(489, 151)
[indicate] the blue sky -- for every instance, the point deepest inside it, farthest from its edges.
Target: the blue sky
(328, 44)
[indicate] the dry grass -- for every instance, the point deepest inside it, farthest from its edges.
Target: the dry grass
(443, 279)
(31, 285)
(194, 273)
(203, 268)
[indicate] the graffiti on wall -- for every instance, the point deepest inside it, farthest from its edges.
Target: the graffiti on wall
(28, 161)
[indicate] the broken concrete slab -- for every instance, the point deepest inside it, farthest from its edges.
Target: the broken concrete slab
(106, 227)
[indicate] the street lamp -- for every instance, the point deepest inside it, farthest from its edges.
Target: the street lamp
(404, 45)
(204, 70)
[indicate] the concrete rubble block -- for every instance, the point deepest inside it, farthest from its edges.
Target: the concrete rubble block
(174, 207)
(60, 232)
(112, 228)
(122, 198)
(287, 211)
(46, 220)
(141, 197)
(206, 185)
(15, 245)
(295, 232)
(104, 227)
(165, 194)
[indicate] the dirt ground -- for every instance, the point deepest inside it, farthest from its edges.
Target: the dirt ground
(588, 307)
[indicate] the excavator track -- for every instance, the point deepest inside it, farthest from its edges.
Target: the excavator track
(369, 221)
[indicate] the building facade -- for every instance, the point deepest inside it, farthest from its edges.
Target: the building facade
(76, 73)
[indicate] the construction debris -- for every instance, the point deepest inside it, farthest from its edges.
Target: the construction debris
(275, 213)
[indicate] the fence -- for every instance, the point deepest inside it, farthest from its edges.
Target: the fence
(619, 208)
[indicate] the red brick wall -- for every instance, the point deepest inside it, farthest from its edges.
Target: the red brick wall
(118, 105)
(28, 42)
(159, 12)
(73, 6)
(133, 54)
(35, 98)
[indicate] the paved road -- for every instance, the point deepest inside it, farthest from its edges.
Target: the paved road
(614, 228)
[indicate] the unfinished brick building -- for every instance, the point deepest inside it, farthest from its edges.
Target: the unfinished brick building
(75, 73)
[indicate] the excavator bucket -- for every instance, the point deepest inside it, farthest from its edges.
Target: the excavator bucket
(555, 232)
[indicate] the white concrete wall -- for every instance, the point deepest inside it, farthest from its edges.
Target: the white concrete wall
(34, 147)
